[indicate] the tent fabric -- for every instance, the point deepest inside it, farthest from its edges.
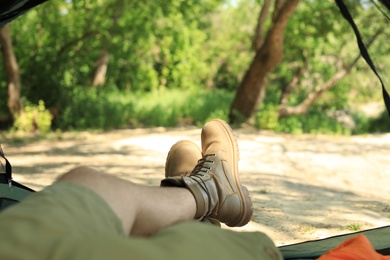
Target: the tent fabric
(11, 9)
(357, 248)
(378, 237)
(11, 191)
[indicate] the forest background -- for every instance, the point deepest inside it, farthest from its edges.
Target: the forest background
(286, 66)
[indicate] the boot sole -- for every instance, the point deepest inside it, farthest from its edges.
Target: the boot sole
(247, 208)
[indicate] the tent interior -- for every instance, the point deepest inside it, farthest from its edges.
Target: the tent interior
(378, 237)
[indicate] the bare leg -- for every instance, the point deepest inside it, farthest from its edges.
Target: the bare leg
(143, 210)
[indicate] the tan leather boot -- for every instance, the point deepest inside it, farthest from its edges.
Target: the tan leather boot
(214, 182)
(181, 160)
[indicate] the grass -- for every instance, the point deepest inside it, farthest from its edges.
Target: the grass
(263, 191)
(353, 227)
(166, 108)
(308, 229)
(100, 109)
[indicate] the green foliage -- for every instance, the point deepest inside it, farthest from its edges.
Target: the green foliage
(353, 226)
(229, 48)
(315, 122)
(177, 62)
(218, 113)
(160, 108)
(100, 109)
(267, 118)
(320, 41)
(210, 104)
(171, 61)
(380, 124)
(363, 123)
(92, 108)
(150, 45)
(35, 117)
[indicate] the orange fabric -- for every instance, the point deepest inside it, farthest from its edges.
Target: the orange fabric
(355, 248)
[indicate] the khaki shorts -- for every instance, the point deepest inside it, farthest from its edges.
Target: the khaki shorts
(70, 221)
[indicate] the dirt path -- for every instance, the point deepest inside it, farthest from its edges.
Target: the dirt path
(303, 188)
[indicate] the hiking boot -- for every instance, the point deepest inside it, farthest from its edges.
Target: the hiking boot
(214, 181)
(181, 160)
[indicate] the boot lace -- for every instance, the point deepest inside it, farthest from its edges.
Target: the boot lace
(200, 168)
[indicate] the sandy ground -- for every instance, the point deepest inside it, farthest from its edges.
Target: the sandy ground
(303, 187)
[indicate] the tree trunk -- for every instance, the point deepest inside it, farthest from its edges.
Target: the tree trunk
(12, 69)
(259, 32)
(252, 88)
(99, 77)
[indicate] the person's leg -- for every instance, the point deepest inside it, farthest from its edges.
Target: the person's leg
(212, 189)
(143, 210)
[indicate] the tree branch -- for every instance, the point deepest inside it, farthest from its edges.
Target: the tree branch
(303, 107)
(294, 82)
(74, 41)
(259, 32)
(277, 7)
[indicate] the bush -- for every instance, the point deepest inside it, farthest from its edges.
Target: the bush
(109, 108)
(168, 107)
(35, 117)
(362, 123)
(380, 124)
(91, 108)
(267, 117)
(315, 122)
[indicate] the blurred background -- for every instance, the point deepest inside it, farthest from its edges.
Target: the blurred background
(286, 66)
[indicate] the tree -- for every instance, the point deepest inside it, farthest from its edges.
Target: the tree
(324, 54)
(303, 107)
(14, 103)
(268, 54)
(151, 44)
